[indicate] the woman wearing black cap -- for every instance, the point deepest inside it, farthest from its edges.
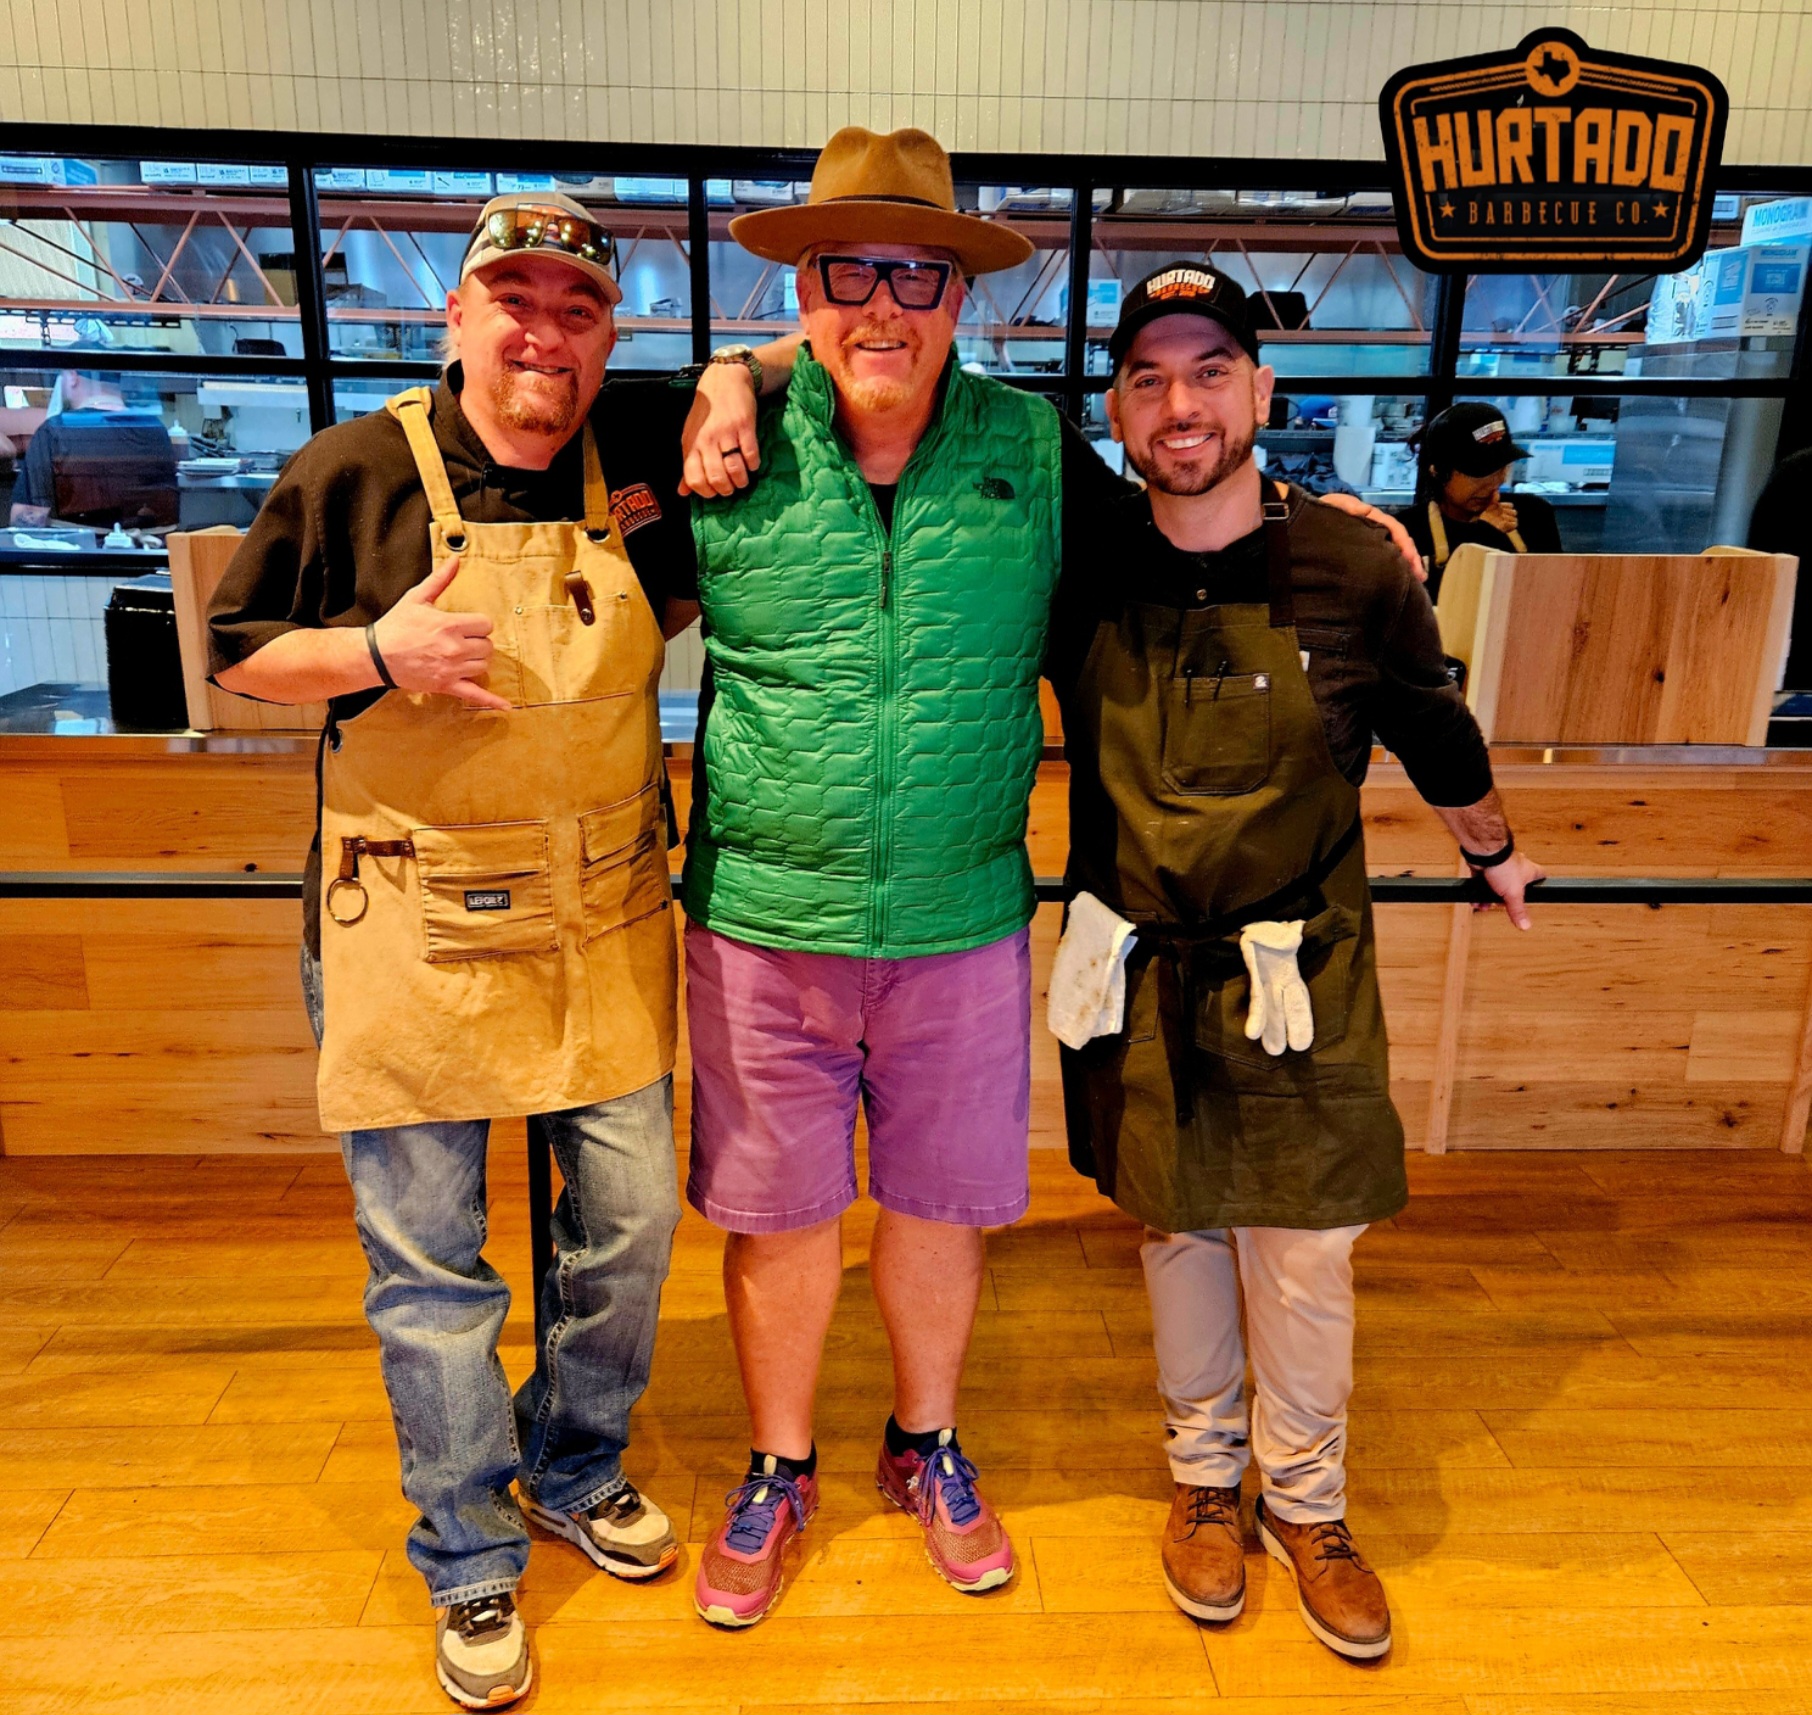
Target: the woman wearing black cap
(1464, 455)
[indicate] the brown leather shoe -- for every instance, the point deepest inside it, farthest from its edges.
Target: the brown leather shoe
(1204, 1553)
(1341, 1598)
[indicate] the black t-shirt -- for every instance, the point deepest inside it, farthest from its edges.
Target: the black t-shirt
(1375, 660)
(343, 534)
(1782, 524)
(101, 467)
(1535, 523)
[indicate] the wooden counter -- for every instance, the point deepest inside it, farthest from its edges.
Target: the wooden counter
(157, 1026)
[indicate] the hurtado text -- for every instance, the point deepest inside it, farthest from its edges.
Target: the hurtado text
(1553, 146)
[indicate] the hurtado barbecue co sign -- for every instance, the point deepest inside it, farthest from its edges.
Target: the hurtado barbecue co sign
(1553, 152)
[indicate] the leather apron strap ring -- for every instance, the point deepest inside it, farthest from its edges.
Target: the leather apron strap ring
(352, 848)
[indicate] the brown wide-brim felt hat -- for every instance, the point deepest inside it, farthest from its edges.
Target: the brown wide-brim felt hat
(869, 188)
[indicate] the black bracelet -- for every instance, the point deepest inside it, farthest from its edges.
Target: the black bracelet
(1492, 859)
(377, 656)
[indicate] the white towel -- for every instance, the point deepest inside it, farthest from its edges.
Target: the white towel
(1088, 976)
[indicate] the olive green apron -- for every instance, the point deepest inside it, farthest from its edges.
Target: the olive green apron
(1226, 809)
(496, 931)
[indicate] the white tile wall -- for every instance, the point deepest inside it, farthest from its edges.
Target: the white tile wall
(1222, 77)
(50, 631)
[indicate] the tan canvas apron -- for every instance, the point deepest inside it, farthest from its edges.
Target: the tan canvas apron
(496, 931)
(1227, 808)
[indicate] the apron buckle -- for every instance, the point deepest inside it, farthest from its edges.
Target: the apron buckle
(580, 591)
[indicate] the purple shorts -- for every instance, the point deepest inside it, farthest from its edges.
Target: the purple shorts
(938, 1050)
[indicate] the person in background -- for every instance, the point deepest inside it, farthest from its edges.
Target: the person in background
(1463, 459)
(97, 460)
(1781, 524)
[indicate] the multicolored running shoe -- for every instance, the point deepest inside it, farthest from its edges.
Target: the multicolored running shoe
(964, 1540)
(743, 1565)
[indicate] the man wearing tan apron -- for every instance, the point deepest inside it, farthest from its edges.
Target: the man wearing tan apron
(478, 578)
(1226, 1076)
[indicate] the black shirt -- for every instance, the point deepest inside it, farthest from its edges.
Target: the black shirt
(1375, 659)
(1535, 523)
(343, 535)
(1782, 524)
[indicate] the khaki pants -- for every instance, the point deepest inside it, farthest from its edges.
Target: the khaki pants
(1298, 1290)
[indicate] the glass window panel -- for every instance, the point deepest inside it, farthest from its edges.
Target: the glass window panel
(1735, 313)
(1013, 322)
(1641, 474)
(1331, 285)
(87, 450)
(392, 242)
(188, 258)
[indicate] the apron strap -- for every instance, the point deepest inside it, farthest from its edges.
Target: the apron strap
(597, 491)
(1277, 559)
(411, 410)
(1437, 532)
(1437, 535)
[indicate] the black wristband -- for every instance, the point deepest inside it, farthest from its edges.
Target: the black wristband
(377, 656)
(1491, 859)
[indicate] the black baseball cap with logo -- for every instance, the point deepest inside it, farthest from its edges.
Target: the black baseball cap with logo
(1471, 437)
(1187, 289)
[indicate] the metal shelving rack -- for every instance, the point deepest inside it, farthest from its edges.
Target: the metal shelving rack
(1100, 219)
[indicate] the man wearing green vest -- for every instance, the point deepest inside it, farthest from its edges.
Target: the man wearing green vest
(857, 886)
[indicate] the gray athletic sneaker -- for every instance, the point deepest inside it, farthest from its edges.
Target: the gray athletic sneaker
(625, 1533)
(481, 1652)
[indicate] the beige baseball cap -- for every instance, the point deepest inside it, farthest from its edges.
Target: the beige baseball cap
(546, 224)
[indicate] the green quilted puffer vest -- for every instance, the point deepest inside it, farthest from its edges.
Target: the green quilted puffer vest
(871, 726)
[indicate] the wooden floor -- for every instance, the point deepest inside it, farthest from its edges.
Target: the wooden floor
(1582, 1461)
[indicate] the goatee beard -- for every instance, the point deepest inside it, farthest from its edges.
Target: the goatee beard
(879, 392)
(1234, 453)
(521, 406)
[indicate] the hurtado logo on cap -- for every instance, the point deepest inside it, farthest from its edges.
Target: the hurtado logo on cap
(1554, 152)
(1181, 283)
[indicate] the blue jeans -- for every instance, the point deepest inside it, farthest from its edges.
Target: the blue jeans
(437, 1308)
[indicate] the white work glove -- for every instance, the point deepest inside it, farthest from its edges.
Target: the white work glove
(1088, 977)
(1279, 1008)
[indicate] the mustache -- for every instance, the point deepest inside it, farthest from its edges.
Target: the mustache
(909, 336)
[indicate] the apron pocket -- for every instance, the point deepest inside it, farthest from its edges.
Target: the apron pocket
(486, 890)
(624, 877)
(1217, 733)
(568, 661)
(1329, 941)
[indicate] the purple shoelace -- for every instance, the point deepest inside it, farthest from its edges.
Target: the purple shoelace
(755, 1505)
(949, 1470)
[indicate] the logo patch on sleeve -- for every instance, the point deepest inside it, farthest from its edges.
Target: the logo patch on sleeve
(487, 899)
(634, 506)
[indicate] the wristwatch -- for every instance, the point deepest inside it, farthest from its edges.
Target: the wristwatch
(743, 354)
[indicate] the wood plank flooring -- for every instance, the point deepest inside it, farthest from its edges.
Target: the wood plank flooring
(1580, 1460)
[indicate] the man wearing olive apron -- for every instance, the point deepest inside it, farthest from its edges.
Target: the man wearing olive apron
(477, 578)
(1221, 679)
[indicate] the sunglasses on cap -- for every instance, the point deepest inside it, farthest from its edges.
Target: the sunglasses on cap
(540, 227)
(853, 280)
